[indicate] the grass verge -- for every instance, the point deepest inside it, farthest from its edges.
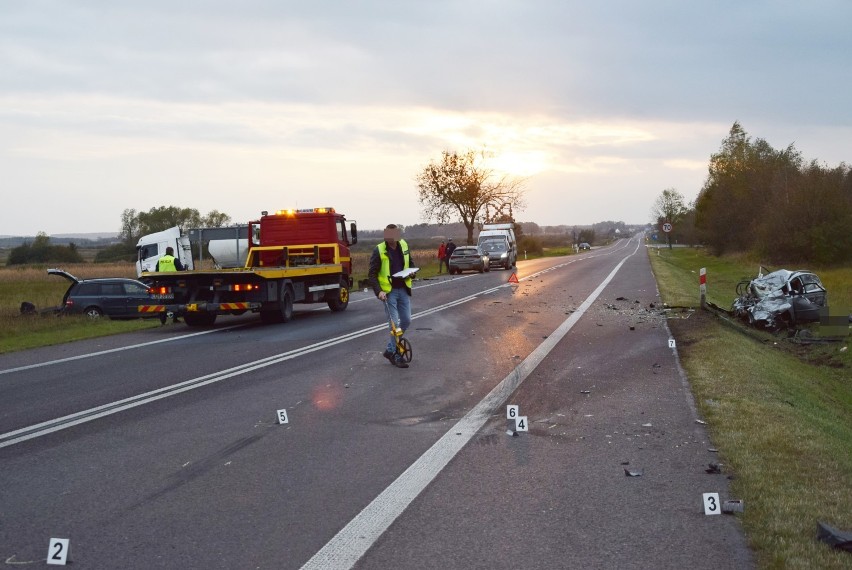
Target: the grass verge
(780, 414)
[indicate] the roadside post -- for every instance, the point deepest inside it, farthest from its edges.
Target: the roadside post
(702, 286)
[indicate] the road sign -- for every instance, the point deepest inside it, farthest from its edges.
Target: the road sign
(667, 227)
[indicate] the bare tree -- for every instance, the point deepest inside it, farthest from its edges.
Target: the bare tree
(459, 187)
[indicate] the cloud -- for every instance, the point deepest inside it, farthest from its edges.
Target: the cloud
(146, 104)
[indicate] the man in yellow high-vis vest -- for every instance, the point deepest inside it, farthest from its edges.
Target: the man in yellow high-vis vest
(389, 257)
(169, 262)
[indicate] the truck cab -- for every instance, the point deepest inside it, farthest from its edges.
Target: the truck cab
(309, 236)
(150, 248)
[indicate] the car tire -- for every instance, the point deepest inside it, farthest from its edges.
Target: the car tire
(93, 312)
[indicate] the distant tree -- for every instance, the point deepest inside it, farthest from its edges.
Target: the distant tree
(459, 187)
(137, 224)
(41, 251)
(129, 233)
(116, 252)
(586, 236)
(215, 219)
(669, 207)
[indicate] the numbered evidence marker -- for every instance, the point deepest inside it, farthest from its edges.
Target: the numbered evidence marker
(57, 551)
(711, 504)
(671, 343)
(511, 412)
(521, 424)
(282, 417)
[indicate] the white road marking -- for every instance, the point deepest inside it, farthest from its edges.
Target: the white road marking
(353, 540)
(111, 350)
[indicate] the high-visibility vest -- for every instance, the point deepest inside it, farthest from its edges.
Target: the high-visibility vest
(384, 273)
(166, 263)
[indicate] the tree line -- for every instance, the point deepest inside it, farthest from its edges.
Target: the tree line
(765, 201)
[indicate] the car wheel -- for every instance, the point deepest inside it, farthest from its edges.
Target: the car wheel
(93, 312)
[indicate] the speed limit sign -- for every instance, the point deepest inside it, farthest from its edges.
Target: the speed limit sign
(667, 227)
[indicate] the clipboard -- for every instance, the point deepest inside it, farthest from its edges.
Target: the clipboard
(406, 272)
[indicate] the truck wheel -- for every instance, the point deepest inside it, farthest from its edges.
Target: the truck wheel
(340, 300)
(284, 312)
(199, 319)
(286, 307)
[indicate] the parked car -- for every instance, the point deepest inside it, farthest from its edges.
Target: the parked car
(468, 258)
(116, 298)
(498, 252)
(585, 245)
(780, 299)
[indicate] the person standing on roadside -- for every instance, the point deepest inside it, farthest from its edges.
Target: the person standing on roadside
(442, 257)
(389, 257)
(451, 247)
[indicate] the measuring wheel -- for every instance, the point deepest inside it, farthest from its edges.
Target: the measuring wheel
(403, 347)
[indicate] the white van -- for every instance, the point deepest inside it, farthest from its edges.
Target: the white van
(503, 233)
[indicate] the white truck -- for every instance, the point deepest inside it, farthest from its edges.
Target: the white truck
(227, 246)
(500, 239)
(150, 248)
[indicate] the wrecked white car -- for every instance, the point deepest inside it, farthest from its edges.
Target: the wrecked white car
(781, 299)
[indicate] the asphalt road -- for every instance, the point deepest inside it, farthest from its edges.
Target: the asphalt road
(162, 449)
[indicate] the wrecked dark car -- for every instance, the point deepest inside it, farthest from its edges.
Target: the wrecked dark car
(781, 299)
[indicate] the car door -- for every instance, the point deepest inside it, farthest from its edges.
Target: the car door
(112, 298)
(808, 297)
(135, 294)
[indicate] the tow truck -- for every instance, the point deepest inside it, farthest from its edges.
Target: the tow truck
(295, 256)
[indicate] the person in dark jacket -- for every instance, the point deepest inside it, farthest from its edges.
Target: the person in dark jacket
(451, 247)
(389, 257)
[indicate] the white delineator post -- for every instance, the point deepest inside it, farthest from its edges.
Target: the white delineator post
(702, 286)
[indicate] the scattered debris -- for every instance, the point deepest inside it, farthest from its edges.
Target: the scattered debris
(733, 506)
(585, 391)
(634, 472)
(648, 425)
(780, 299)
(712, 450)
(714, 468)
(702, 422)
(833, 537)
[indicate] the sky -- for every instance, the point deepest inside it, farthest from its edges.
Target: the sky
(251, 105)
